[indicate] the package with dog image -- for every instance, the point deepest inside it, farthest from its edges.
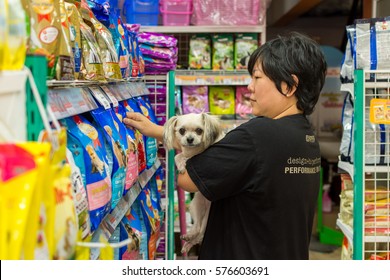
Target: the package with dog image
(131, 229)
(118, 145)
(244, 45)
(87, 147)
(223, 52)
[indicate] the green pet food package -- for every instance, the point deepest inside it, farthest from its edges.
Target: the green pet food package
(221, 100)
(223, 52)
(244, 45)
(200, 52)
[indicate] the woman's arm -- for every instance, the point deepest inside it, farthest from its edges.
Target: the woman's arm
(144, 125)
(185, 182)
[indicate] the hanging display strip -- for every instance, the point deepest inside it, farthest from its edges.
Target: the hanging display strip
(70, 101)
(112, 220)
(185, 78)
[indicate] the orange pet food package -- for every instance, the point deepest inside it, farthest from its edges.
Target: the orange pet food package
(45, 31)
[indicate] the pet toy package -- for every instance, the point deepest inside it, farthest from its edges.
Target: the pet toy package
(131, 228)
(195, 99)
(243, 104)
(199, 56)
(223, 52)
(221, 100)
(82, 135)
(244, 45)
(131, 106)
(105, 119)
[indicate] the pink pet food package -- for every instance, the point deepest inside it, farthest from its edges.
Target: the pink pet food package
(195, 99)
(243, 104)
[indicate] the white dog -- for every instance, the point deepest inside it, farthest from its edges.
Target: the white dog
(192, 134)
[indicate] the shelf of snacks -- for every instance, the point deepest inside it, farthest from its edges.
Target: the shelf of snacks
(205, 29)
(211, 77)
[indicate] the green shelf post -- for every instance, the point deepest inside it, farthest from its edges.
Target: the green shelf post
(171, 172)
(38, 67)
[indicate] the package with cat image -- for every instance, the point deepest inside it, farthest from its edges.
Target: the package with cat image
(87, 147)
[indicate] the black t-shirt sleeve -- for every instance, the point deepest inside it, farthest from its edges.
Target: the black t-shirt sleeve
(220, 171)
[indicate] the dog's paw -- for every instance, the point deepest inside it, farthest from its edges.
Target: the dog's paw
(180, 161)
(186, 247)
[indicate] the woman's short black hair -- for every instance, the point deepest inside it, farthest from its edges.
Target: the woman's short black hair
(293, 54)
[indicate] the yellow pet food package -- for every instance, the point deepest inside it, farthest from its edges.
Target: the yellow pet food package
(65, 62)
(222, 100)
(15, 44)
(45, 29)
(36, 234)
(92, 66)
(19, 177)
(104, 39)
(75, 36)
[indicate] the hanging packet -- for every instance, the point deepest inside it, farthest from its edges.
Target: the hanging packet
(199, 56)
(118, 145)
(75, 36)
(93, 166)
(244, 45)
(222, 58)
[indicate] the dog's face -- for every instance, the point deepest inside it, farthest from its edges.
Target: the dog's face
(191, 132)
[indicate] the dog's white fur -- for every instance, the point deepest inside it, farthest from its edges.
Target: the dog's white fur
(192, 134)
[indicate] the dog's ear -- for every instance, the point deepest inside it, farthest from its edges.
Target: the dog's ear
(169, 137)
(212, 129)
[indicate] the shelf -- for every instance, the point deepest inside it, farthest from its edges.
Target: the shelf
(205, 29)
(112, 220)
(210, 77)
(85, 83)
(346, 229)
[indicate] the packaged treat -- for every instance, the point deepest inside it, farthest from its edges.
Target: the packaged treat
(92, 66)
(158, 52)
(195, 99)
(65, 66)
(221, 100)
(130, 228)
(45, 29)
(75, 36)
(243, 104)
(157, 39)
(199, 56)
(223, 52)
(245, 44)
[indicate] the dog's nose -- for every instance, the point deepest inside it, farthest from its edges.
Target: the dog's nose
(190, 140)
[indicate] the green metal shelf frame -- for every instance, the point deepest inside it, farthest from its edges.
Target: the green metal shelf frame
(359, 151)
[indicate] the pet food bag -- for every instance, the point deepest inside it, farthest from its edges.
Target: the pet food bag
(221, 100)
(244, 45)
(131, 229)
(223, 52)
(243, 104)
(118, 145)
(75, 36)
(199, 56)
(87, 147)
(195, 99)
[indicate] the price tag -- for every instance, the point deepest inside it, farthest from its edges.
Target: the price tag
(111, 96)
(100, 97)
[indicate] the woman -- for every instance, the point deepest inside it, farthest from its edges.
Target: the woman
(263, 178)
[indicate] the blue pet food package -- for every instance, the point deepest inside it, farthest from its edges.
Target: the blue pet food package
(132, 154)
(145, 229)
(150, 214)
(131, 106)
(83, 136)
(131, 230)
(155, 194)
(150, 142)
(244, 45)
(118, 145)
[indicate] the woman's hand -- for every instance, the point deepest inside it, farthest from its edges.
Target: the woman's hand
(143, 125)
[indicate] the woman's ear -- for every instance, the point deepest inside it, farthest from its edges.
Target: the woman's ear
(290, 91)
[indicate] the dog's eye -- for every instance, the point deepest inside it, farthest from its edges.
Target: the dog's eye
(199, 131)
(182, 131)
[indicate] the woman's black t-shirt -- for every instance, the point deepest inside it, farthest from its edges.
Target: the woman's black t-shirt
(263, 180)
